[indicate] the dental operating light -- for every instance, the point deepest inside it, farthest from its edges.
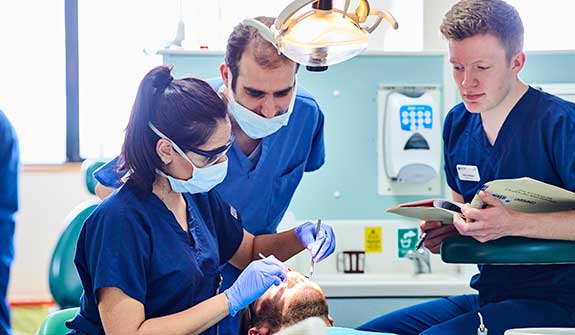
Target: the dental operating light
(323, 36)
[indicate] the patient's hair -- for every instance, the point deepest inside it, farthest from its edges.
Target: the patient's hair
(279, 313)
(269, 313)
(310, 303)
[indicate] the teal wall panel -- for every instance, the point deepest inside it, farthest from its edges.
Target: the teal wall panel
(351, 134)
(549, 68)
(350, 128)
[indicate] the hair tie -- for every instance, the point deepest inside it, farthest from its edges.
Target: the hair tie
(162, 80)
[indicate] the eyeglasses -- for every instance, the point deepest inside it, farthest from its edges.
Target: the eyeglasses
(210, 157)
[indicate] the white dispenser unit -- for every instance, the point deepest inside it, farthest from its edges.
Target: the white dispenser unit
(409, 140)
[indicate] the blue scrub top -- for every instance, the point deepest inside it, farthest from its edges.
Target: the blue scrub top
(262, 192)
(134, 243)
(9, 168)
(536, 140)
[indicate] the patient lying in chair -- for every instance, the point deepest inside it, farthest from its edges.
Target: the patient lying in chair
(287, 304)
(297, 306)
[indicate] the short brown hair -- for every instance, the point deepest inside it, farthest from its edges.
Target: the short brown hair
(246, 38)
(468, 18)
(310, 303)
(276, 313)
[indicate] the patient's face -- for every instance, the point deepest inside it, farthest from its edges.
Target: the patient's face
(291, 302)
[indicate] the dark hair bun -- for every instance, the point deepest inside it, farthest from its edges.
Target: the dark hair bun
(163, 77)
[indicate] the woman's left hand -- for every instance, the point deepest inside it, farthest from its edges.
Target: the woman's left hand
(489, 223)
(319, 246)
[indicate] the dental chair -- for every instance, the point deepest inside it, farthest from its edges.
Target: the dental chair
(55, 323)
(65, 284)
(507, 250)
(317, 326)
(511, 250)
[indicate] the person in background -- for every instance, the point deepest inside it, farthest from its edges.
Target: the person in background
(502, 129)
(149, 255)
(9, 169)
(279, 136)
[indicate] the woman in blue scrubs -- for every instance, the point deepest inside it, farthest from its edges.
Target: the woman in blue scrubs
(503, 129)
(149, 255)
(279, 128)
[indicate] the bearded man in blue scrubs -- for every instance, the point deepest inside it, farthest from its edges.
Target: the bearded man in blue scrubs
(278, 130)
(502, 129)
(9, 164)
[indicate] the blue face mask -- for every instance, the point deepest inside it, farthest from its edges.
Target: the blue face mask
(254, 125)
(203, 179)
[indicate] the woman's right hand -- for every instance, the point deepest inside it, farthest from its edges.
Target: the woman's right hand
(436, 233)
(256, 278)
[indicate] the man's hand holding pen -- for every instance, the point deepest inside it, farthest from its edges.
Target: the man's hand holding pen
(436, 232)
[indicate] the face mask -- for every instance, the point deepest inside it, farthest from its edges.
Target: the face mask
(203, 179)
(254, 125)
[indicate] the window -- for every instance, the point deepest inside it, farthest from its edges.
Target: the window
(409, 36)
(113, 41)
(548, 24)
(32, 80)
(117, 48)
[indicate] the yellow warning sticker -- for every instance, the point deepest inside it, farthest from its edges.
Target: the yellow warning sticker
(373, 240)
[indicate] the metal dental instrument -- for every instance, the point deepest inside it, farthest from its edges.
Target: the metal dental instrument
(317, 227)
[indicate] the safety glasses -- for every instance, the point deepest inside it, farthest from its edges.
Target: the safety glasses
(210, 157)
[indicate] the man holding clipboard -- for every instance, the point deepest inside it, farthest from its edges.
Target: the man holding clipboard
(503, 129)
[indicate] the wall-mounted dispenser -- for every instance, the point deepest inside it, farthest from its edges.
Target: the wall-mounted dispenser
(409, 140)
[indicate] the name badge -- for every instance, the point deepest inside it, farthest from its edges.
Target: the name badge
(467, 172)
(233, 212)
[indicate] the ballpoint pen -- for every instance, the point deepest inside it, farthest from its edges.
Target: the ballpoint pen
(421, 240)
(317, 227)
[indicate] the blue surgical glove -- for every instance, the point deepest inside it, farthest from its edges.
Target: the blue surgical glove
(254, 281)
(321, 246)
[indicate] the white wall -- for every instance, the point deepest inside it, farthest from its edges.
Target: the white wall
(46, 198)
(433, 12)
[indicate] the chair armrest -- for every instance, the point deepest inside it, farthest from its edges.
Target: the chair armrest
(507, 250)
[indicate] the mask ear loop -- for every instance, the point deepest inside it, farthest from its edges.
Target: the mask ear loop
(174, 145)
(230, 88)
